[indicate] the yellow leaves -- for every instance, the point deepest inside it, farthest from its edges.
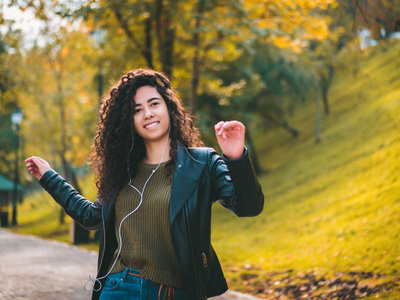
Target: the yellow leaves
(266, 24)
(64, 52)
(292, 22)
(286, 42)
(226, 50)
(226, 93)
(281, 41)
(75, 139)
(316, 30)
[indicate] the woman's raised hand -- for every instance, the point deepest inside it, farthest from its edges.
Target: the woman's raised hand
(230, 136)
(37, 166)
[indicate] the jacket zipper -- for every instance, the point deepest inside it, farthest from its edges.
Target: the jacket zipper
(191, 250)
(205, 263)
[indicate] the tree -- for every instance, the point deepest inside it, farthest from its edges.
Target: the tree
(140, 23)
(61, 119)
(325, 57)
(260, 88)
(191, 35)
(381, 17)
(12, 79)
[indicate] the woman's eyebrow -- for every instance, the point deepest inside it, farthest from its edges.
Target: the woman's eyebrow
(151, 99)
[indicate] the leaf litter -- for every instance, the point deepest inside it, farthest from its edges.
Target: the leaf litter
(289, 285)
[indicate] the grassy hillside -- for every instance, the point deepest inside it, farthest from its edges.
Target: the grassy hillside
(332, 208)
(331, 219)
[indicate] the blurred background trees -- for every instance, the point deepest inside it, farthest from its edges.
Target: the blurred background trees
(254, 61)
(381, 17)
(11, 82)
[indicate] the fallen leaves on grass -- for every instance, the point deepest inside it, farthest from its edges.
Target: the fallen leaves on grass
(287, 285)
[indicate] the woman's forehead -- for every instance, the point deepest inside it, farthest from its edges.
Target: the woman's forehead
(145, 94)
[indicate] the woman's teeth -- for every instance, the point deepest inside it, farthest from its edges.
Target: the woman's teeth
(151, 125)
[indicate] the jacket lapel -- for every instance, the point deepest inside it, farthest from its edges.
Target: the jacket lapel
(187, 173)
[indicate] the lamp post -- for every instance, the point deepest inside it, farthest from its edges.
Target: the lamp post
(16, 119)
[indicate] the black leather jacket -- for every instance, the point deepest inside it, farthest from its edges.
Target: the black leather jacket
(201, 177)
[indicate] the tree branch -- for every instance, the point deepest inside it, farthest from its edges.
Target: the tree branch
(357, 4)
(125, 26)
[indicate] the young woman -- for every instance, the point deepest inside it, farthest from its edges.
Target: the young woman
(156, 186)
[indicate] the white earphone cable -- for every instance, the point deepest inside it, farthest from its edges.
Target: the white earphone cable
(141, 193)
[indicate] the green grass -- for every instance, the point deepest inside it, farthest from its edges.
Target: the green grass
(39, 215)
(332, 209)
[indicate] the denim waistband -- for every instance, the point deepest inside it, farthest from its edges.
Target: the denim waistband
(130, 280)
(129, 274)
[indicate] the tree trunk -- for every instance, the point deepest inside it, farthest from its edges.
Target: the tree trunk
(63, 135)
(253, 154)
(195, 59)
(165, 35)
(159, 30)
(318, 123)
(293, 131)
(15, 194)
(169, 50)
(324, 94)
(100, 84)
(284, 124)
(78, 234)
(147, 53)
(325, 83)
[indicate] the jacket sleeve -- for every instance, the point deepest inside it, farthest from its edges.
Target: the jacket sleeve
(235, 184)
(84, 212)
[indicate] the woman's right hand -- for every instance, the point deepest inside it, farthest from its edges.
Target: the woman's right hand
(37, 166)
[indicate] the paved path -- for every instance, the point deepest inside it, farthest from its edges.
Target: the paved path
(33, 268)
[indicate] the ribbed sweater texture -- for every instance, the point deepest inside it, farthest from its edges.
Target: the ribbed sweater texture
(146, 235)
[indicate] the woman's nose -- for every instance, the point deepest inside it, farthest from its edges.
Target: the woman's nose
(148, 113)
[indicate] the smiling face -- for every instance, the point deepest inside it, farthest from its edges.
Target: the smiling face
(151, 117)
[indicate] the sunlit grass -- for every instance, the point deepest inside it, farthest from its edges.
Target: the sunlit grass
(39, 215)
(331, 207)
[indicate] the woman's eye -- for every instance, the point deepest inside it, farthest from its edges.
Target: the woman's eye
(154, 104)
(138, 110)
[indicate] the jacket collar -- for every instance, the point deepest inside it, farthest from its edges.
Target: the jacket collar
(187, 174)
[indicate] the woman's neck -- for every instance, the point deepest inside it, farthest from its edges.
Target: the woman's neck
(155, 150)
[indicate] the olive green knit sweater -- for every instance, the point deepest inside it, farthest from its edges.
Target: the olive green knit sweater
(146, 237)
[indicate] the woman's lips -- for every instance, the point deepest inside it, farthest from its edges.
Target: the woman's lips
(152, 124)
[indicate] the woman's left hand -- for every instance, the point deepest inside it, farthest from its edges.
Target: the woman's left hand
(230, 136)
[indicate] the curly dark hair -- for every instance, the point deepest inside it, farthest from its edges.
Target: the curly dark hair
(115, 130)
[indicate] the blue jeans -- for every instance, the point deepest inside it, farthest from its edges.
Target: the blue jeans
(123, 286)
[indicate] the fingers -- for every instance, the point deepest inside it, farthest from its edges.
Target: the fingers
(31, 166)
(233, 125)
(33, 169)
(30, 163)
(218, 127)
(37, 166)
(36, 160)
(32, 159)
(223, 126)
(41, 160)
